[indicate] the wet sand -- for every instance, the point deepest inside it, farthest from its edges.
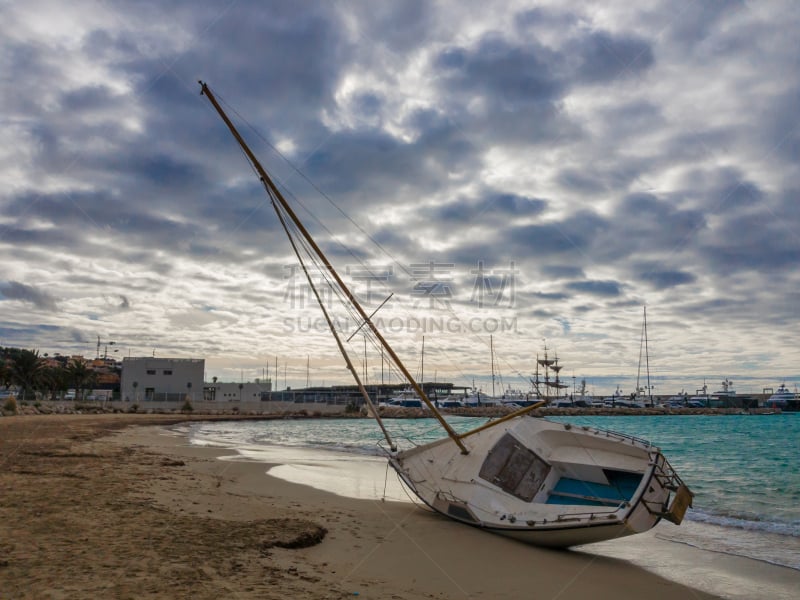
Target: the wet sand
(90, 507)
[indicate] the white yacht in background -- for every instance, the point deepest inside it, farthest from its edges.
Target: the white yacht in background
(616, 399)
(727, 393)
(701, 398)
(478, 398)
(781, 397)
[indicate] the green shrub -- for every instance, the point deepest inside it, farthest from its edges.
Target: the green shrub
(10, 405)
(187, 406)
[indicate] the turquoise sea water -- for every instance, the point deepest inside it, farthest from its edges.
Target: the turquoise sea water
(744, 469)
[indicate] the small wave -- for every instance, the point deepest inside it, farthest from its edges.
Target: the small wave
(733, 550)
(371, 450)
(747, 522)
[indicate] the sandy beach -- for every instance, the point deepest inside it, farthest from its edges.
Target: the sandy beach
(93, 507)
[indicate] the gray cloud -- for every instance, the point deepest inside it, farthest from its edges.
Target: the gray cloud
(596, 288)
(14, 290)
(605, 57)
(667, 279)
(652, 161)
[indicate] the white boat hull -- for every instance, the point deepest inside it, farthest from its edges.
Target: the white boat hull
(547, 483)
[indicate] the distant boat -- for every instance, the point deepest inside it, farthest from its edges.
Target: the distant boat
(512, 395)
(619, 400)
(548, 483)
(407, 398)
(581, 399)
(679, 400)
(701, 399)
(475, 397)
(727, 390)
(781, 397)
(546, 388)
(643, 395)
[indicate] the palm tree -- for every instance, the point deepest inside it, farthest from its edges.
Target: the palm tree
(80, 376)
(5, 376)
(57, 381)
(27, 370)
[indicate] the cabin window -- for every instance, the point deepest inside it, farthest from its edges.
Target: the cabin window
(167, 371)
(151, 371)
(514, 468)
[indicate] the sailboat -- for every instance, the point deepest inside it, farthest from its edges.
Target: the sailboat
(476, 397)
(548, 483)
(640, 392)
(550, 390)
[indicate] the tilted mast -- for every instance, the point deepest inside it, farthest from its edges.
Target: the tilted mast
(275, 192)
(276, 196)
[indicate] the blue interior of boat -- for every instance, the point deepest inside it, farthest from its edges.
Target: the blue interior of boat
(621, 487)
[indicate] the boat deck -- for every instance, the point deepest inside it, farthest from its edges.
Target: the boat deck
(621, 488)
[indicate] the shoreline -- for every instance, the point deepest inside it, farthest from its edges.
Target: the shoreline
(279, 410)
(661, 551)
(94, 507)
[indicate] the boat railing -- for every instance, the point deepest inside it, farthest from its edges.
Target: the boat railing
(610, 513)
(593, 515)
(665, 474)
(682, 495)
(618, 434)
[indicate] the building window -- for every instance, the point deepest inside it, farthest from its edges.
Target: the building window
(167, 371)
(151, 371)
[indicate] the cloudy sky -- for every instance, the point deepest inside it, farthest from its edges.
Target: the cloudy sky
(534, 171)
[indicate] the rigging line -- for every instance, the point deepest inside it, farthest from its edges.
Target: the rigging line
(317, 250)
(385, 481)
(356, 318)
(334, 289)
(346, 305)
(353, 315)
(323, 271)
(364, 393)
(372, 315)
(346, 216)
(312, 184)
(289, 193)
(455, 363)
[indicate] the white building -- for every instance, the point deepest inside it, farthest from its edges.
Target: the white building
(161, 379)
(234, 392)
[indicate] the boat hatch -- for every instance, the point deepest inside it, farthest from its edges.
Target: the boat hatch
(620, 488)
(514, 468)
